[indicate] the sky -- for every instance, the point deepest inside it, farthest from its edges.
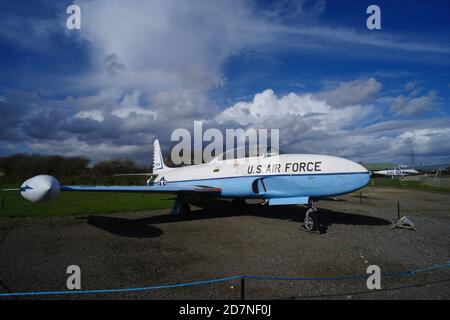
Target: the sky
(137, 70)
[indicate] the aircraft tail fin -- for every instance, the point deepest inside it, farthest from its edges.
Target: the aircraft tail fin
(158, 162)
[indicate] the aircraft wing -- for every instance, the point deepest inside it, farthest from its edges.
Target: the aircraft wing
(43, 187)
(153, 188)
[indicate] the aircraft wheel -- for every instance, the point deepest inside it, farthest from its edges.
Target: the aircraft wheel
(311, 222)
(238, 204)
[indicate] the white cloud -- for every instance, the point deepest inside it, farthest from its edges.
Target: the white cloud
(312, 125)
(100, 151)
(267, 107)
(165, 45)
(301, 119)
(411, 85)
(411, 105)
(350, 93)
(95, 115)
(121, 124)
(329, 36)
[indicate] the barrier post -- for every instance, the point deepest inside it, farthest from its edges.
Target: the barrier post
(3, 201)
(242, 288)
(398, 210)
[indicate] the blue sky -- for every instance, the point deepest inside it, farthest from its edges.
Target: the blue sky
(139, 69)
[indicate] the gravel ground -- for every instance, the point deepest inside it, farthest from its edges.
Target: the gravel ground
(153, 248)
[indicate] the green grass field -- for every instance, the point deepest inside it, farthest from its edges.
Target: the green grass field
(73, 203)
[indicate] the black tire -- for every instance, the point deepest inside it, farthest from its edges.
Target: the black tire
(311, 222)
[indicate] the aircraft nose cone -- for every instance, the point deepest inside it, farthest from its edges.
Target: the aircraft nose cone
(40, 188)
(356, 176)
(362, 174)
(359, 168)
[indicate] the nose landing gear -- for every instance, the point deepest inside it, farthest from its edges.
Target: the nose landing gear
(311, 222)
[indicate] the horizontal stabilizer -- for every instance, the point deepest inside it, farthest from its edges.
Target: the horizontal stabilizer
(142, 174)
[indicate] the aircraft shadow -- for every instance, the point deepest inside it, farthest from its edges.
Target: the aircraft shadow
(135, 228)
(145, 227)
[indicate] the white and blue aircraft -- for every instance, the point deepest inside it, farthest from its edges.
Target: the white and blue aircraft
(399, 172)
(413, 170)
(278, 179)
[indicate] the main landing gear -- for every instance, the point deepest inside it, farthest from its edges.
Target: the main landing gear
(311, 222)
(181, 208)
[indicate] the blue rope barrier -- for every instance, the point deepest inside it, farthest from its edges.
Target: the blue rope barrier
(187, 284)
(389, 274)
(168, 286)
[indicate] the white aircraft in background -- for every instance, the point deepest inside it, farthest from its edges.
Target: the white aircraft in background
(412, 170)
(396, 172)
(286, 179)
(427, 167)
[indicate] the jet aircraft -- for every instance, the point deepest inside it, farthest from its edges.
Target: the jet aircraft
(399, 172)
(278, 179)
(412, 170)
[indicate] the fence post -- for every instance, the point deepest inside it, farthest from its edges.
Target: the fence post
(242, 288)
(398, 210)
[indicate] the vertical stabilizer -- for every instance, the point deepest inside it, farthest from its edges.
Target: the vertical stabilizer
(158, 162)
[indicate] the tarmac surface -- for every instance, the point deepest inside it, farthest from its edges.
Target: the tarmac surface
(153, 248)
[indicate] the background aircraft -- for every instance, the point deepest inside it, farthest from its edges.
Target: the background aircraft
(396, 172)
(427, 167)
(411, 170)
(286, 179)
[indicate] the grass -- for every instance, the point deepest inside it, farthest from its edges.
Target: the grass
(75, 203)
(397, 183)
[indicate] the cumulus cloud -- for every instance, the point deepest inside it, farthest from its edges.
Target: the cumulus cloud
(350, 93)
(301, 119)
(161, 45)
(118, 123)
(310, 124)
(410, 105)
(267, 107)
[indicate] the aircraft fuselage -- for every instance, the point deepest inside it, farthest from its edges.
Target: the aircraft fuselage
(294, 175)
